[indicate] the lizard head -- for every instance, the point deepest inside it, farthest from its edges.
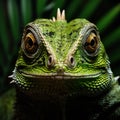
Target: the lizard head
(57, 57)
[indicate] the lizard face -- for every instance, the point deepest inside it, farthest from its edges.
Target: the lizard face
(60, 58)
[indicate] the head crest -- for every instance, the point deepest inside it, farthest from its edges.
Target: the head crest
(60, 15)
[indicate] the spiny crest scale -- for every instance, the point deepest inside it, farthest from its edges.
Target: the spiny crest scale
(60, 15)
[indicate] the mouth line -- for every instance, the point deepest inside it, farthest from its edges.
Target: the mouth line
(62, 76)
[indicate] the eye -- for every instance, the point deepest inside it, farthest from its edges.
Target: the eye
(30, 43)
(91, 44)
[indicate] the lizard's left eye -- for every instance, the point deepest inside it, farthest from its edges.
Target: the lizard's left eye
(91, 44)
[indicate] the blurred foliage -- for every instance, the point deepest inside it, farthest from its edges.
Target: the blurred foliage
(14, 14)
(7, 101)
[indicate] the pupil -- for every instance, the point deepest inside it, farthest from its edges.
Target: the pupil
(30, 42)
(92, 42)
(71, 60)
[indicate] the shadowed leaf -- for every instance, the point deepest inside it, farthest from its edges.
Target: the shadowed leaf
(26, 6)
(108, 18)
(13, 18)
(112, 37)
(89, 8)
(71, 9)
(40, 6)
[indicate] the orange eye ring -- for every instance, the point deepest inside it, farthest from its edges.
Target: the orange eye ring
(30, 43)
(91, 44)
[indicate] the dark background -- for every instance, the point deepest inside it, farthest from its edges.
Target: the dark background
(14, 14)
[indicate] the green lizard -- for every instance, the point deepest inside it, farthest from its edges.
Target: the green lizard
(63, 73)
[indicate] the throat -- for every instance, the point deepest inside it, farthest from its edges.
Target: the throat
(28, 107)
(55, 108)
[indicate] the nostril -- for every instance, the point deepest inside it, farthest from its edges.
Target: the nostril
(50, 61)
(60, 71)
(72, 61)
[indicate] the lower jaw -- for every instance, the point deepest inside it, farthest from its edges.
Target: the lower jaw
(61, 88)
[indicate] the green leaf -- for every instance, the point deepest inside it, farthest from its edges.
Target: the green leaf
(26, 7)
(40, 6)
(13, 17)
(106, 20)
(71, 9)
(112, 38)
(3, 35)
(89, 8)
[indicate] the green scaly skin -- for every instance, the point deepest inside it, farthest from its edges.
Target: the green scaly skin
(61, 79)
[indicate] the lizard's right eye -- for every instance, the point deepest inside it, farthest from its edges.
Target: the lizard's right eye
(30, 43)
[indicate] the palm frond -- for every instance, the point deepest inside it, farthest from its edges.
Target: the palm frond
(89, 8)
(14, 20)
(106, 20)
(26, 10)
(40, 7)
